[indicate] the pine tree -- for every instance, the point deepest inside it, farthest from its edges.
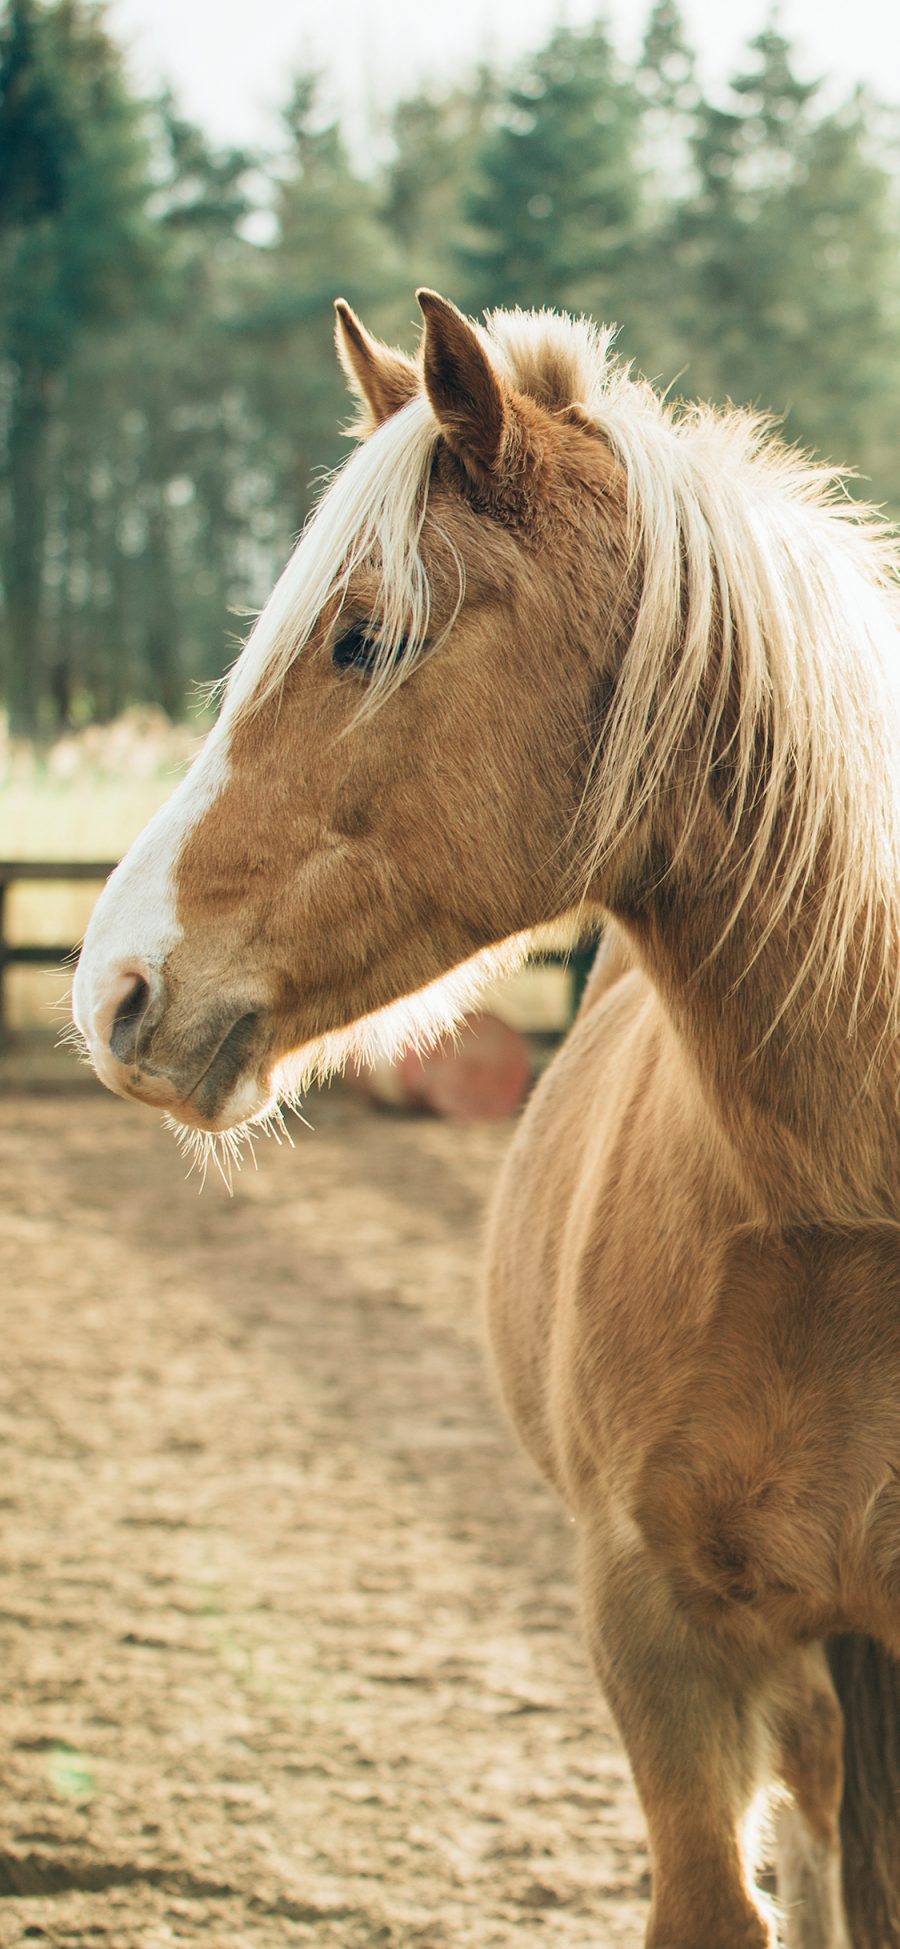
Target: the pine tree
(434, 138)
(557, 191)
(792, 300)
(76, 244)
(188, 379)
(670, 99)
(840, 345)
(661, 266)
(329, 242)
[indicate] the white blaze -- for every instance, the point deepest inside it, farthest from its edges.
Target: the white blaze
(134, 925)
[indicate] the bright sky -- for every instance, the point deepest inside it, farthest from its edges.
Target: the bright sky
(229, 60)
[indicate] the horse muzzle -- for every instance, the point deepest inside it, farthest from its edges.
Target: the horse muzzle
(207, 1071)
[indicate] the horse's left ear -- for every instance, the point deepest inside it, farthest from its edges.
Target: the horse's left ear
(382, 378)
(467, 396)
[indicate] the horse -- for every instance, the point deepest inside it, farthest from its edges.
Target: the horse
(550, 648)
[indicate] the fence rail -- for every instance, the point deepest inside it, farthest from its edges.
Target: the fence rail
(39, 954)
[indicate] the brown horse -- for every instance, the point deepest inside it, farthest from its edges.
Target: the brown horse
(549, 646)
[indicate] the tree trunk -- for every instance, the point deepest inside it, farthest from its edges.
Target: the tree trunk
(24, 567)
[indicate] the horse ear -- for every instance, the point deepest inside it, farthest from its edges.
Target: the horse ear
(465, 391)
(382, 379)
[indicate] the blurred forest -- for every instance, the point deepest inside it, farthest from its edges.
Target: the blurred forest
(168, 392)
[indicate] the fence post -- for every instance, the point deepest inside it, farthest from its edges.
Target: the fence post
(3, 886)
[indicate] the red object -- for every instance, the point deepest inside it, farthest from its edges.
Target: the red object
(483, 1071)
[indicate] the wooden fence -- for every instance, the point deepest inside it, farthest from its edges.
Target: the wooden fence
(39, 954)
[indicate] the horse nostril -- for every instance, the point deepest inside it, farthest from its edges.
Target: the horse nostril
(128, 1019)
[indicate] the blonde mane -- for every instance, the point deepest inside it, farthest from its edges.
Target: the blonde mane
(741, 546)
(371, 511)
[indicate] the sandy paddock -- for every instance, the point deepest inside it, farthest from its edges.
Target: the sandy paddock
(290, 1643)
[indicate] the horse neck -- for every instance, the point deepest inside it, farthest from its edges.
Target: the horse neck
(803, 1082)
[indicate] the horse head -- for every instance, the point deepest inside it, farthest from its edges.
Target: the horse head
(392, 786)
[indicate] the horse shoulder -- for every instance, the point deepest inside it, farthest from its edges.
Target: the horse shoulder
(562, 1172)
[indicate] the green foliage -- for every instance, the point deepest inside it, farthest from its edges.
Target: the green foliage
(789, 295)
(427, 177)
(556, 192)
(327, 242)
(168, 391)
(76, 240)
(77, 248)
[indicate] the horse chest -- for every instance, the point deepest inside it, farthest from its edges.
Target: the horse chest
(737, 1392)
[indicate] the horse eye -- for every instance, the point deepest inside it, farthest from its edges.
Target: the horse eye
(355, 650)
(358, 650)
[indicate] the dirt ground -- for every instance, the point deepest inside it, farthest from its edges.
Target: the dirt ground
(290, 1643)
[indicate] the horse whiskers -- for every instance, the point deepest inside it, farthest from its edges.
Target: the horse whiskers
(227, 1150)
(221, 1148)
(70, 1037)
(274, 1124)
